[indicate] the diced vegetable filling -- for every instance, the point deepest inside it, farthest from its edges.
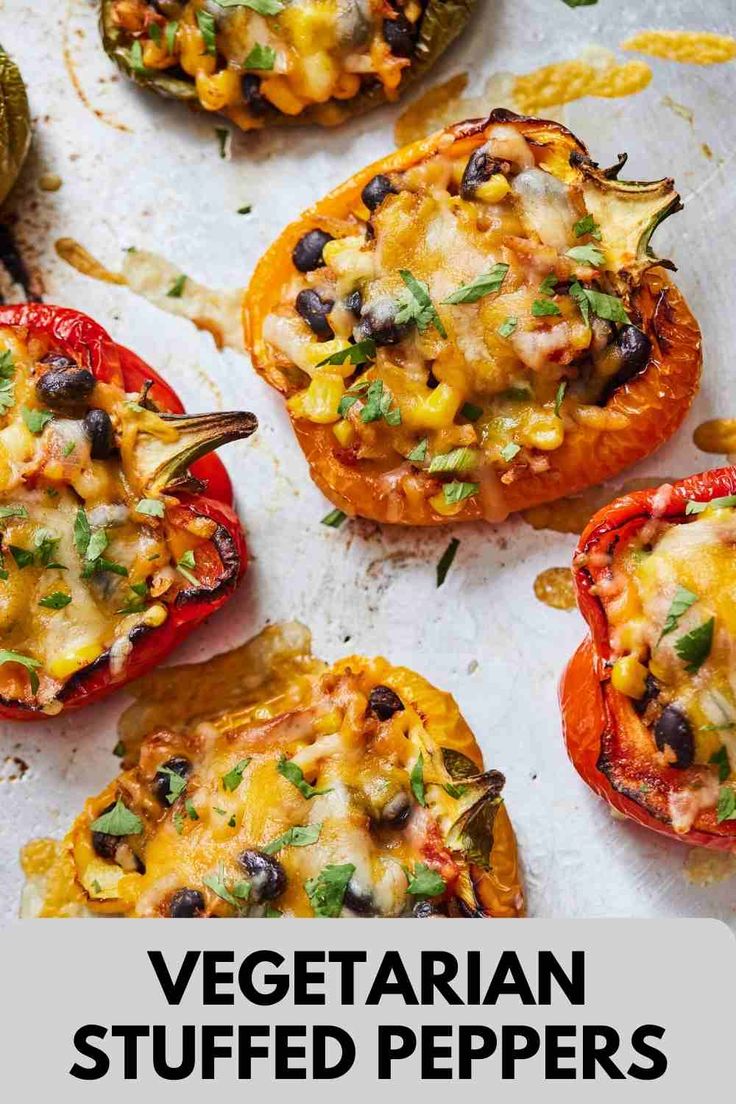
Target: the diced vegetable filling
(88, 552)
(671, 606)
(459, 324)
(342, 805)
(248, 58)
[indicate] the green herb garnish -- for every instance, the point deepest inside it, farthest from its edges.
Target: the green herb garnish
(542, 308)
(119, 821)
(206, 24)
(509, 451)
(419, 453)
(177, 288)
(586, 254)
(695, 507)
(446, 559)
(299, 836)
(456, 491)
(185, 566)
(415, 305)
(425, 882)
(31, 665)
(334, 519)
(726, 808)
(483, 285)
(470, 411)
(177, 783)
(459, 460)
(359, 353)
(507, 327)
(35, 420)
(327, 891)
(55, 601)
(694, 647)
(720, 759)
(560, 396)
(681, 602)
(260, 57)
(587, 225)
(293, 773)
(153, 507)
(416, 780)
(234, 777)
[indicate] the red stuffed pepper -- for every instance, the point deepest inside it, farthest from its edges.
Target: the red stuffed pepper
(117, 530)
(649, 699)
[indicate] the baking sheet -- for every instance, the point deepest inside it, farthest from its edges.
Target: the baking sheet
(137, 171)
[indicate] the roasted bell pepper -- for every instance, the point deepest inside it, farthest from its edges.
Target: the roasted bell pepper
(15, 123)
(111, 550)
(314, 63)
(355, 790)
(648, 705)
(475, 325)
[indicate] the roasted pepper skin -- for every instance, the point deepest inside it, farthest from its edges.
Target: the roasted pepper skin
(608, 744)
(84, 340)
(15, 123)
(440, 25)
(654, 402)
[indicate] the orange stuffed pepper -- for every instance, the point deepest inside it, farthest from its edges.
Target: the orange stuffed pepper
(648, 701)
(475, 325)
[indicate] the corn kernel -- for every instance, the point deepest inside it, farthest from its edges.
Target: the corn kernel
(344, 432)
(310, 27)
(65, 665)
(493, 190)
(436, 410)
(320, 400)
(328, 724)
(545, 431)
(315, 352)
(193, 57)
(219, 90)
(347, 86)
(440, 505)
(315, 76)
(629, 676)
(280, 94)
(156, 56)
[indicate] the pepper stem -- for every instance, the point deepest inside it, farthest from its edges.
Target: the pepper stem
(166, 445)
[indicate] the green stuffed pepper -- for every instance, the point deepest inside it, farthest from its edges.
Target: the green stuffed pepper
(15, 123)
(264, 62)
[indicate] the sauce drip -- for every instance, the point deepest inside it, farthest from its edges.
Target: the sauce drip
(82, 260)
(554, 587)
(716, 435)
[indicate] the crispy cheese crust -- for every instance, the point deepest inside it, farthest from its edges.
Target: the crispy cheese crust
(352, 790)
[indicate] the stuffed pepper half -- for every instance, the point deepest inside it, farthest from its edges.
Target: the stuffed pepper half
(649, 700)
(110, 550)
(265, 62)
(15, 123)
(474, 325)
(353, 790)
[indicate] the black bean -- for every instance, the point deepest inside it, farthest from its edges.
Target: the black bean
(651, 691)
(395, 812)
(307, 253)
(425, 910)
(64, 385)
(354, 302)
(161, 784)
(103, 844)
(634, 348)
(378, 324)
(255, 101)
(480, 168)
(400, 36)
(384, 702)
(266, 874)
(99, 429)
(376, 190)
(673, 731)
(186, 903)
(358, 900)
(314, 310)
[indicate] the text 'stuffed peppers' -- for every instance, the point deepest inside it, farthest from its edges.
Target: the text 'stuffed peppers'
(117, 530)
(648, 701)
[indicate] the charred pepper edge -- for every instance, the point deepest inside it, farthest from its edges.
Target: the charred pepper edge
(629, 510)
(15, 123)
(440, 24)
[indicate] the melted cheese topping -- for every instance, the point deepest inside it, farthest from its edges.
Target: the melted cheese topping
(83, 565)
(492, 383)
(671, 607)
(693, 47)
(309, 52)
(236, 798)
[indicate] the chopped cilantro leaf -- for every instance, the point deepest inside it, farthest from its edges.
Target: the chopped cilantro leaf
(726, 808)
(119, 821)
(446, 559)
(587, 225)
(586, 254)
(293, 773)
(327, 891)
(541, 308)
(30, 665)
(681, 602)
(415, 305)
(298, 836)
(695, 507)
(260, 57)
(458, 460)
(234, 777)
(334, 519)
(177, 783)
(720, 759)
(455, 492)
(185, 565)
(206, 24)
(694, 647)
(562, 388)
(177, 288)
(55, 601)
(359, 353)
(416, 780)
(507, 327)
(425, 882)
(486, 284)
(509, 451)
(419, 453)
(35, 420)
(153, 507)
